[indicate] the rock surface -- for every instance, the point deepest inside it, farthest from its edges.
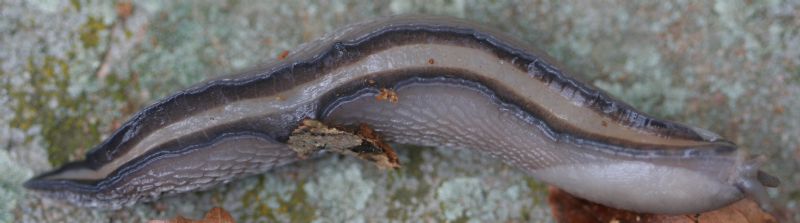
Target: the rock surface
(73, 71)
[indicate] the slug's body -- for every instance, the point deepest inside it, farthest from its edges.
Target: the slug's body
(458, 86)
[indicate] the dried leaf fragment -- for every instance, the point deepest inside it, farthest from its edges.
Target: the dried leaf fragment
(385, 157)
(215, 215)
(568, 208)
(312, 136)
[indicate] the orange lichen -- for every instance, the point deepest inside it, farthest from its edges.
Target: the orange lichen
(431, 61)
(387, 95)
(283, 55)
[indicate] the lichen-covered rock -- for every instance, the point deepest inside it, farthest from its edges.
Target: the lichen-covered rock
(72, 71)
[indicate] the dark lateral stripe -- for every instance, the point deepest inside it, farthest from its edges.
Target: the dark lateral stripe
(259, 126)
(120, 174)
(553, 127)
(271, 80)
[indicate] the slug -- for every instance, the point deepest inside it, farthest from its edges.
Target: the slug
(451, 84)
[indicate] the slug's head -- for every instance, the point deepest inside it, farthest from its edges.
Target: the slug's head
(753, 182)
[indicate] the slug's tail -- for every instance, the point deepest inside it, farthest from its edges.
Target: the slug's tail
(753, 182)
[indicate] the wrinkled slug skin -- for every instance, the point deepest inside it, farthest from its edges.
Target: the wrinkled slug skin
(459, 85)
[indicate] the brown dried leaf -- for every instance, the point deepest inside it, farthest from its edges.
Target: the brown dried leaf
(568, 208)
(215, 215)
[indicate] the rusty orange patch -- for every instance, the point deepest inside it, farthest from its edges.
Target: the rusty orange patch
(283, 55)
(391, 160)
(387, 95)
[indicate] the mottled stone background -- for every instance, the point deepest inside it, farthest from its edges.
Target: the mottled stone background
(72, 71)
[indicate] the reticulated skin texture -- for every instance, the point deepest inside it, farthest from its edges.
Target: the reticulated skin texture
(220, 161)
(446, 114)
(445, 83)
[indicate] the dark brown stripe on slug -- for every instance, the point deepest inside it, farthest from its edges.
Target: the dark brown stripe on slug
(177, 146)
(274, 127)
(456, 85)
(278, 126)
(268, 82)
(156, 138)
(556, 129)
(218, 160)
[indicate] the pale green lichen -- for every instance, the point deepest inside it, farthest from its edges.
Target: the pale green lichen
(468, 200)
(460, 198)
(341, 195)
(12, 174)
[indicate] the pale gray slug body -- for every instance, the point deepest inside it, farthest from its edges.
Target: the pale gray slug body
(459, 86)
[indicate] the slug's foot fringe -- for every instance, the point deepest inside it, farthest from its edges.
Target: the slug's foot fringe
(312, 136)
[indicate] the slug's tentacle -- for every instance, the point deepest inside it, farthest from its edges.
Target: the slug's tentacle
(768, 180)
(419, 80)
(753, 182)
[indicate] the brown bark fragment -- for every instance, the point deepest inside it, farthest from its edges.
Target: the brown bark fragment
(313, 136)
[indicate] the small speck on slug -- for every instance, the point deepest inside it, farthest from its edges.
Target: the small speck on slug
(387, 95)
